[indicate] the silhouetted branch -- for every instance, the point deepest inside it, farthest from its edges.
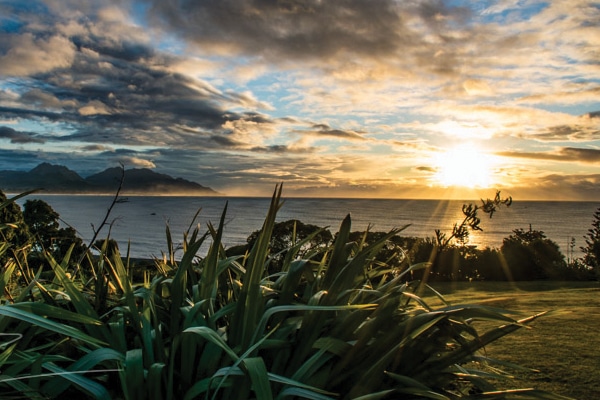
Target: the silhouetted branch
(471, 220)
(116, 200)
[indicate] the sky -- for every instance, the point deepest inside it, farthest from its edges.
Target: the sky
(344, 98)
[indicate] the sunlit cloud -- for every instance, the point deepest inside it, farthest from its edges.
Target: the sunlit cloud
(335, 97)
(22, 55)
(136, 162)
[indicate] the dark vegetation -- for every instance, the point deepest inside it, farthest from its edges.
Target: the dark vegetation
(525, 255)
(296, 313)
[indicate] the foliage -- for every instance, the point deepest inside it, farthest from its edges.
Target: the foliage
(47, 235)
(530, 255)
(460, 231)
(591, 252)
(285, 236)
(449, 262)
(13, 230)
(337, 323)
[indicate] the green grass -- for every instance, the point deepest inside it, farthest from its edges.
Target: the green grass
(564, 346)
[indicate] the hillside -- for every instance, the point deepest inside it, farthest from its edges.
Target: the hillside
(59, 179)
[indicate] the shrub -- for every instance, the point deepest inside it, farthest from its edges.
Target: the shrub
(285, 235)
(530, 255)
(591, 251)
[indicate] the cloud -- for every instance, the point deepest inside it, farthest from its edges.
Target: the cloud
(135, 162)
(96, 147)
(572, 187)
(133, 103)
(564, 154)
(284, 149)
(297, 29)
(486, 121)
(338, 37)
(246, 93)
(45, 100)
(426, 169)
(569, 132)
(113, 87)
(579, 94)
(19, 137)
(477, 87)
(25, 54)
(325, 131)
(94, 107)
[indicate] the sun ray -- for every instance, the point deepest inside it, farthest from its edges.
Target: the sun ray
(465, 165)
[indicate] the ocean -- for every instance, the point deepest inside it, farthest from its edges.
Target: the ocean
(141, 220)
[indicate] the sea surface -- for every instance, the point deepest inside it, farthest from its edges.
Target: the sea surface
(141, 221)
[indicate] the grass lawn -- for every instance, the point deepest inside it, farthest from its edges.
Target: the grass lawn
(564, 346)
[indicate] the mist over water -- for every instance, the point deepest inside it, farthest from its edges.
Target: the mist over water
(141, 220)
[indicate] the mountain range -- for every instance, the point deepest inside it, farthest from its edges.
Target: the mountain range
(60, 179)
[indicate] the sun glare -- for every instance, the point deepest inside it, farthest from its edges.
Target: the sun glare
(464, 166)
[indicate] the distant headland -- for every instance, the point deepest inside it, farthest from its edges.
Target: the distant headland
(58, 179)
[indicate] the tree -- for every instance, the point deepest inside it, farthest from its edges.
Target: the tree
(14, 235)
(47, 235)
(42, 221)
(285, 235)
(530, 255)
(591, 252)
(12, 225)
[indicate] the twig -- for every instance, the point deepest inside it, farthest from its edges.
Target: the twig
(104, 221)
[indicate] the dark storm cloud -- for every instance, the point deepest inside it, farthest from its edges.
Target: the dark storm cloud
(126, 50)
(324, 130)
(582, 155)
(28, 113)
(18, 137)
(426, 169)
(293, 28)
(224, 141)
(104, 99)
(283, 149)
(569, 132)
(565, 154)
(18, 160)
(280, 30)
(103, 86)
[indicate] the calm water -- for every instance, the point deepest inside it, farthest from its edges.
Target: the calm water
(142, 220)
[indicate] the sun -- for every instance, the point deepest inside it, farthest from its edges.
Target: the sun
(466, 166)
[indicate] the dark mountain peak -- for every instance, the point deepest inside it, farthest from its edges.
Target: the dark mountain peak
(50, 170)
(109, 173)
(144, 180)
(44, 167)
(60, 179)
